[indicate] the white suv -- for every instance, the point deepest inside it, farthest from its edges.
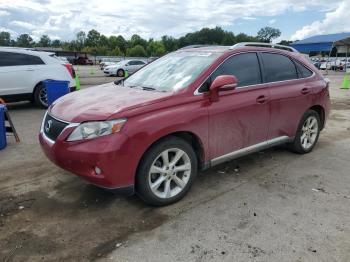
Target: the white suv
(23, 71)
(126, 65)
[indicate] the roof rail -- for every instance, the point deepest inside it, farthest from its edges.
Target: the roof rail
(194, 46)
(268, 45)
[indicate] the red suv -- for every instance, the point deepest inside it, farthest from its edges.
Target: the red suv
(189, 110)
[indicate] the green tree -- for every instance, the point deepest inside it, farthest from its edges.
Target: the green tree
(285, 42)
(104, 41)
(80, 40)
(155, 48)
(115, 52)
(267, 34)
(170, 43)
(93, 38)
(122, 44)
(229, 39)
(24, 40)
(138, 40)
(44, 41)
(56, 43)
(136, 51)
(5, 39)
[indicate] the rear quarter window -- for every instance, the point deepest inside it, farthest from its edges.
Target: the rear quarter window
(278, 68)
(303, 72)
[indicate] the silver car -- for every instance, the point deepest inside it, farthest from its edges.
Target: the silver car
(120, 68)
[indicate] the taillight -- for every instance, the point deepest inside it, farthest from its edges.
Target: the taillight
(70, 69)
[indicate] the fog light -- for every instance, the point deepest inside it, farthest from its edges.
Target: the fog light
(98, 170)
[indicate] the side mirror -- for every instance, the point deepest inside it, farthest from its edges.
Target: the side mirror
(222, 83)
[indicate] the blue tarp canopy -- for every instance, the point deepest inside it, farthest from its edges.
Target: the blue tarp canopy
(321, 43)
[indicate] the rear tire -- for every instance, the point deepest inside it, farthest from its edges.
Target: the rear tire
(307, 133)
(40, 96)
(166, 172)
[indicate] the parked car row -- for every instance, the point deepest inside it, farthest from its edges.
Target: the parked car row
(81, 61)
(22, 73)
(331, 63)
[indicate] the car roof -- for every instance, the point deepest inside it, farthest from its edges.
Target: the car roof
(24, 51)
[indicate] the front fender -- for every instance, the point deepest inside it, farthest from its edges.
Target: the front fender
(146, 129)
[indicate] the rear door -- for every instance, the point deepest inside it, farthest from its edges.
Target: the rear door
(290, 94)
(139, 64)
(17, 72)
(241, 117)
(130, 66)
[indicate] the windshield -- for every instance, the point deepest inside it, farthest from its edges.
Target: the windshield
(172, 72)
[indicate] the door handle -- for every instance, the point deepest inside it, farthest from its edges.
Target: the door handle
(261, 99)
(30, 69)
(305, 91)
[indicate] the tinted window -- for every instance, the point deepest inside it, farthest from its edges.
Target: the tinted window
(303, 72)
(244, 66)
(278, 67)
(16, 59)
(136, 63)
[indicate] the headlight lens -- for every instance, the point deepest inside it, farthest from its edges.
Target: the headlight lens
(95, 129)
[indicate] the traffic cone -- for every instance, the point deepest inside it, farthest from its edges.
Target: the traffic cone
(77, 82)
(92, 71)
(345, 83)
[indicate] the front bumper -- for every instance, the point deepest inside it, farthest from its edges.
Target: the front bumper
(110, 154)
(108, 72)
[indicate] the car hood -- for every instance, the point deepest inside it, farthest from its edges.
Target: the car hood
(111, 67)
(101, 102)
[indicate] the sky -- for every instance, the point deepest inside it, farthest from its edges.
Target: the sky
(297, 19)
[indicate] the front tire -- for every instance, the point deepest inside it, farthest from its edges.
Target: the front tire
(120, 73)
(40, 96)
(166, 172)
(307, 133)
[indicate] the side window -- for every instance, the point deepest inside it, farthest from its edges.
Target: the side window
(17, 59)
(278, 67)
(243, 66)
(303, 72)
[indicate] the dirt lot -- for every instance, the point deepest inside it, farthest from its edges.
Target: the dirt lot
(269, 206)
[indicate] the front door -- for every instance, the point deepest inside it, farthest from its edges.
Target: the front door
(241, 117)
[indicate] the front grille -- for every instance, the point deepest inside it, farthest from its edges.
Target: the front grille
(52, 127)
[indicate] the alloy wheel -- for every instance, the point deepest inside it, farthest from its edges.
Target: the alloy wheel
(43, 96)
(309, 132)
(169, 173)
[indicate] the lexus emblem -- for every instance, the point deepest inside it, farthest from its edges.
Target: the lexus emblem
(48, 126)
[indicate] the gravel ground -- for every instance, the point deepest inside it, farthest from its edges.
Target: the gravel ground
(269, 206)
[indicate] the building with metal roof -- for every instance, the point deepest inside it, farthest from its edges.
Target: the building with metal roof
(324, 43)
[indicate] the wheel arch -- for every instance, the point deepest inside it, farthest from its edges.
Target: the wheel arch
(35, 87)
(321, 112)
(190, 138)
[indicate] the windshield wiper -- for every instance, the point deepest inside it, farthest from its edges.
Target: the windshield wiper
(143, 87)
(148, 88)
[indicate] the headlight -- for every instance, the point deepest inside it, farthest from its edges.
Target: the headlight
(91, 130)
